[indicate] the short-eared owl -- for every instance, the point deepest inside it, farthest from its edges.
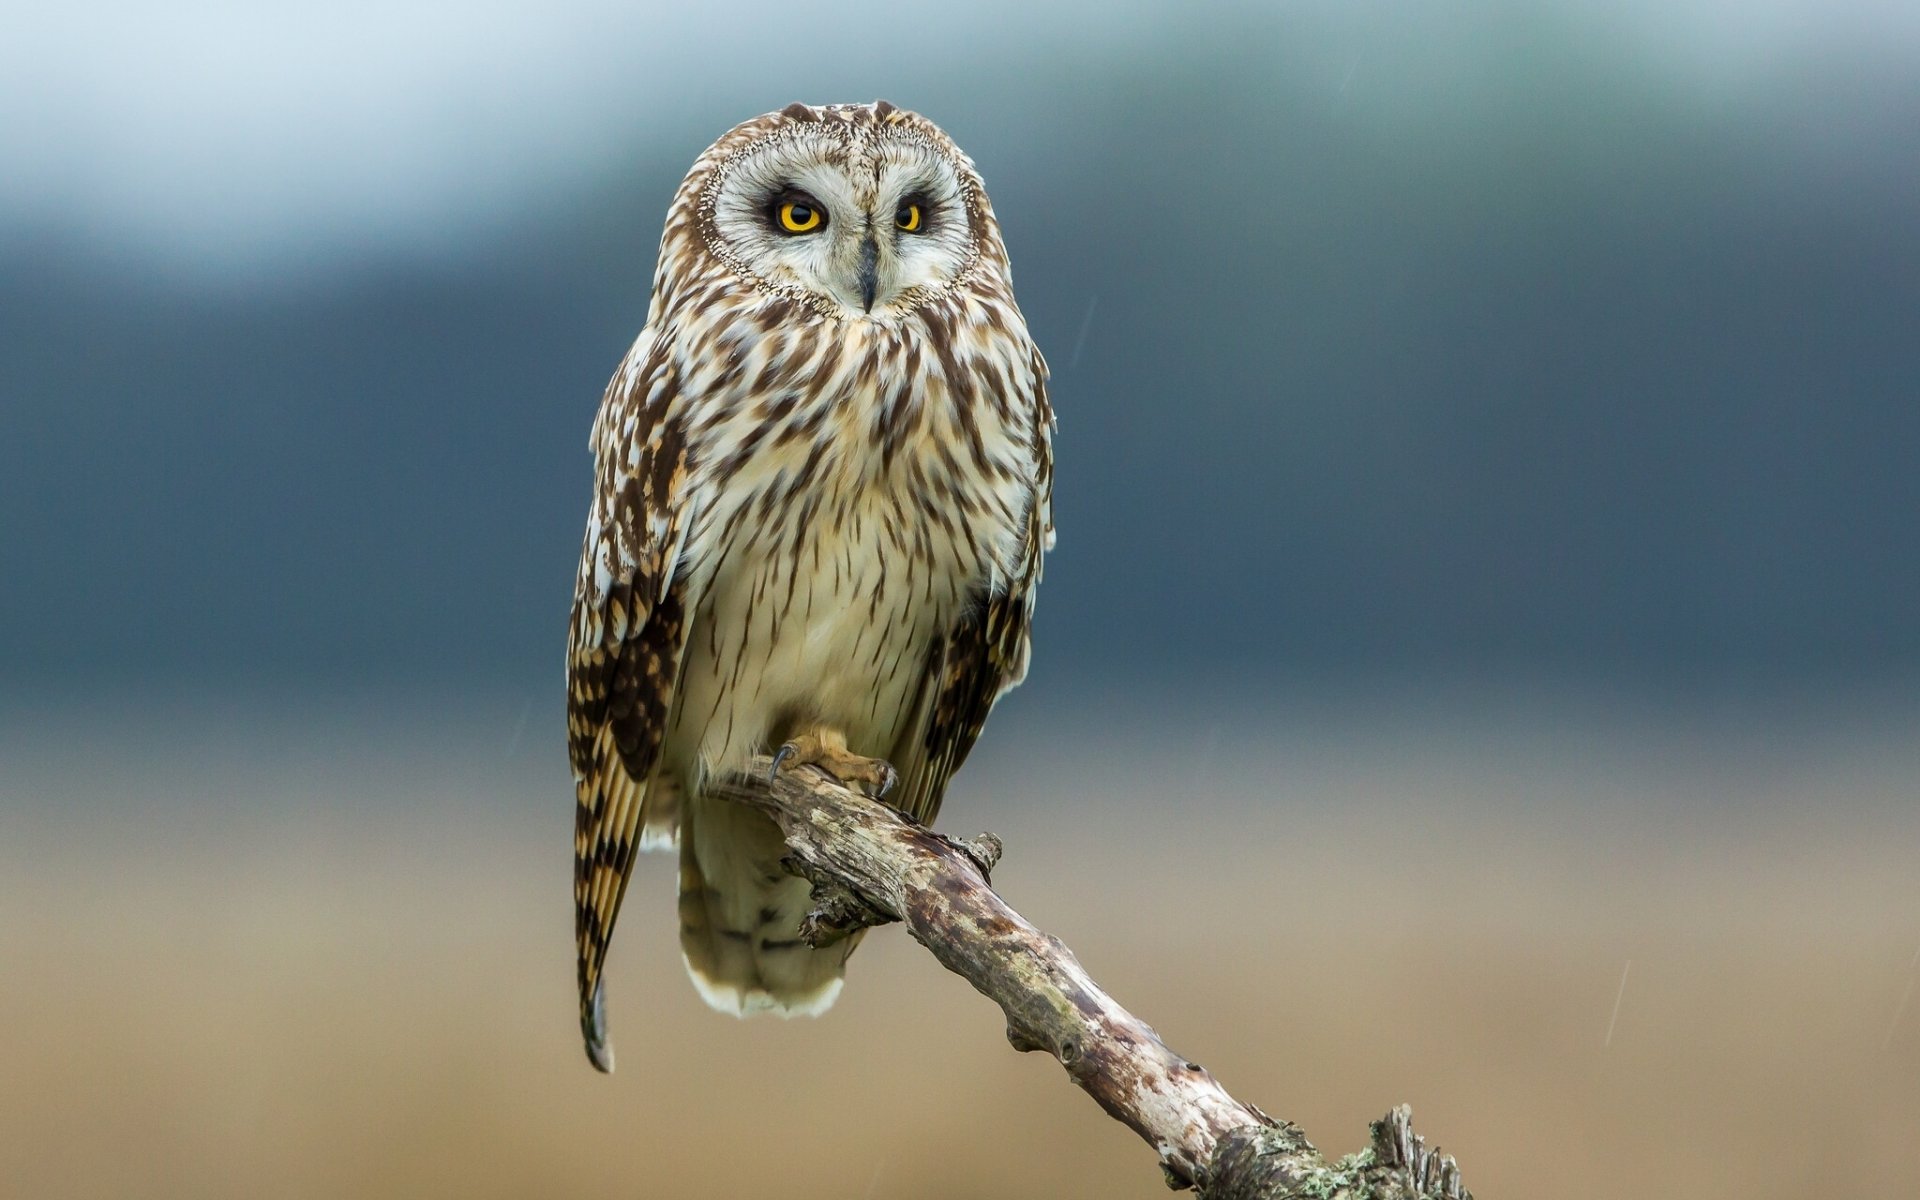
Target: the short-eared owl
(821, 499)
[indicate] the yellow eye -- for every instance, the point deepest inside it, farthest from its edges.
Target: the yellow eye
(798, 216)
(907, 217)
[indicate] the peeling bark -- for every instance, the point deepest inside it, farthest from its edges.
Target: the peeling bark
(871, 866)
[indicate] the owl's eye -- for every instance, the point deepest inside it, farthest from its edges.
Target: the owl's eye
(907, 217)
(801, 216)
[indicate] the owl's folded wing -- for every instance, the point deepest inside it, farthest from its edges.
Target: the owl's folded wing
(984, 655)
(628, 629)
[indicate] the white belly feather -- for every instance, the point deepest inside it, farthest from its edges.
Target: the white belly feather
(832, 630)
(829, 620)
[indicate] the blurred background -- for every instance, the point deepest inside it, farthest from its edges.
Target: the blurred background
(1516, 712)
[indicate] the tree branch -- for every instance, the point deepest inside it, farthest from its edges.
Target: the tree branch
(871, 866)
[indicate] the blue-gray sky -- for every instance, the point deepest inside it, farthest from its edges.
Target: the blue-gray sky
(1574, 340)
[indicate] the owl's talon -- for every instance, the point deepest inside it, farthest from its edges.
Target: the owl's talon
(827, 750)
(780, 756)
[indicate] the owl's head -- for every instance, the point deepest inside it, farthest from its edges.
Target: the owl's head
(857, 210)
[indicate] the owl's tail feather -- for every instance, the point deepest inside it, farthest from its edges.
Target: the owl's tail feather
(740, 918)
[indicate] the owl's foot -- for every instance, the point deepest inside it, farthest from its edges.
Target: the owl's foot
(827, 749)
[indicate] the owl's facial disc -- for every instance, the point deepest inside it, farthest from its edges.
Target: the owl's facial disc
(870, 225)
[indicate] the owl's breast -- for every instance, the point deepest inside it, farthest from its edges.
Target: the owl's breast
(865, 442)
(831, 544)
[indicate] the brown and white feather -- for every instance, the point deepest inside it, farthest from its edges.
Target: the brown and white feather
(804, 514)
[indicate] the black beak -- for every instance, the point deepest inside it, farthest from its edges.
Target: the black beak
(869, 257)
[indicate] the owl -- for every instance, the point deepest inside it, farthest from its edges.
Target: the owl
(823, 478)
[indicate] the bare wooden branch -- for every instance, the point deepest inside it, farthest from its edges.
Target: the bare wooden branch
(869, 866)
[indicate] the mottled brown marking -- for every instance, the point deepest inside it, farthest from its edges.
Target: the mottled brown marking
(928, 399)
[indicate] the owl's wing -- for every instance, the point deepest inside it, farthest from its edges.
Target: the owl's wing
(628, 628)
(984, 655)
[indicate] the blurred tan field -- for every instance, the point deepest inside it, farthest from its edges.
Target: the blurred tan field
(1654, 954)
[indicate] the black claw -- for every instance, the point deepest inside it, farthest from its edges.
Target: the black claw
(781, 755)
(887, 780)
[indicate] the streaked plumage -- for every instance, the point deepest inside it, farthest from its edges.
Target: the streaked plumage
(822, 497)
